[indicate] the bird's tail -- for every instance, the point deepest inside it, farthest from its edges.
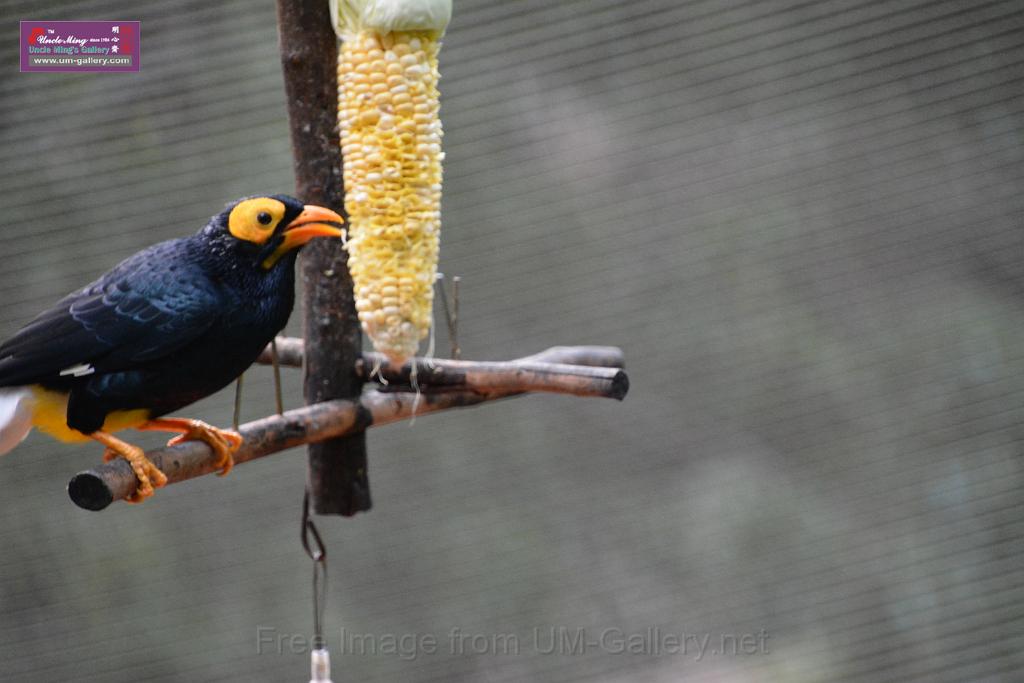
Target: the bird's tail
(15, 417)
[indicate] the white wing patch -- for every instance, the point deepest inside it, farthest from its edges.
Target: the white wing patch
(15, 417)
(80, 370)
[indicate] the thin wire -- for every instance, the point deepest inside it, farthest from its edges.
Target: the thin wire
(317, 553)
(451, 312)
(278, 395)
(454, 331)
(319, 602)
(237, 417)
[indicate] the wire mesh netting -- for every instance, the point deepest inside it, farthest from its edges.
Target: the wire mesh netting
(800, 220)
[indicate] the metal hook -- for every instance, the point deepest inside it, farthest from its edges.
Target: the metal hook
(309, 529)
(317, 553)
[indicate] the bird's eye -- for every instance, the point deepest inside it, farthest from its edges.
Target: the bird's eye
(264, 218)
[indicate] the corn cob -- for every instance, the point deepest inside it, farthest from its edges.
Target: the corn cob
(388, 106)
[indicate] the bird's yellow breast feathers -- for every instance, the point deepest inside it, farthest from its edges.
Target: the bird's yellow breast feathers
(50, 415)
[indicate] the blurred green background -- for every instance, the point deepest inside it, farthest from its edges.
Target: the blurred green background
(800, 220)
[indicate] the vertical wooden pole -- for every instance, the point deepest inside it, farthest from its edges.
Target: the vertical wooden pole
(338, 481)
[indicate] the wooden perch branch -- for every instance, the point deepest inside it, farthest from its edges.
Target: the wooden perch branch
(469, 384)
(290, 351)
(578, 370)
(504, 378)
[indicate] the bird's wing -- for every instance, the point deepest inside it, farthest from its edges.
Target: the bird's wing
(145, 308)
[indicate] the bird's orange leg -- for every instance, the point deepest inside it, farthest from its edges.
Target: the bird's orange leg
(148, 474)
(224, 442)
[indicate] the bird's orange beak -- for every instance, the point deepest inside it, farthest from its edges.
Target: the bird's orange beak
(314, 221)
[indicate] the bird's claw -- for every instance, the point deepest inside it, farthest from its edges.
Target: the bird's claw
(224, 442)
(149, 476)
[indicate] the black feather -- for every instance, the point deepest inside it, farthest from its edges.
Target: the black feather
(164, 328)
(142, 309)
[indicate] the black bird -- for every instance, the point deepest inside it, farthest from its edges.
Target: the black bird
(164, 328)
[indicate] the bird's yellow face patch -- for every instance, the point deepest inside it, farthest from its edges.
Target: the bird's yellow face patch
(254, 220)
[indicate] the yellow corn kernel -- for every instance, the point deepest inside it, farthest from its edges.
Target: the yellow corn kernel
(388, 116)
